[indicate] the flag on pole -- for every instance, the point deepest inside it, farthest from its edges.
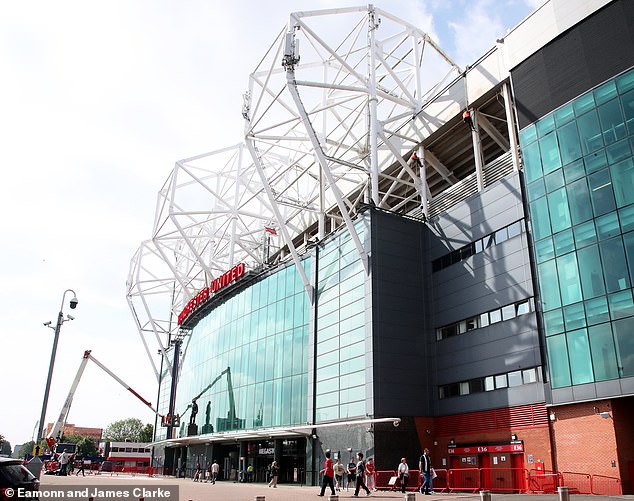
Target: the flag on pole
(270, 230)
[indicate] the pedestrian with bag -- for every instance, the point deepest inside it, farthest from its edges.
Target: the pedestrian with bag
(340, 471)
(403, 474)
(426, 470)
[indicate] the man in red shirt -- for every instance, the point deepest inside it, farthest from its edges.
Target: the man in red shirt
(329, 474)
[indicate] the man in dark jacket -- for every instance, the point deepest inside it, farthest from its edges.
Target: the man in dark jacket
(361, 477)
(424, 465)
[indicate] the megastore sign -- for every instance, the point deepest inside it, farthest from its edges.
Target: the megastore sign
(222, 281)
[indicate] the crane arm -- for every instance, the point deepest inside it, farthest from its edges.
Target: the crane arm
(56, 431)
(210, 385)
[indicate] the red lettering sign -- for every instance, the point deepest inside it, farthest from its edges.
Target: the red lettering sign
(225, 279)
(519, 447)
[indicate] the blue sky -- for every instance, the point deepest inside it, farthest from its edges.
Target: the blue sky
(98, 100)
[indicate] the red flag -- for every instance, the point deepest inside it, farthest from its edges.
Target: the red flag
(272, 231)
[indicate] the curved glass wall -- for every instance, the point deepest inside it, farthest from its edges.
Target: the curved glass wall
(579, 169)
(247, 360)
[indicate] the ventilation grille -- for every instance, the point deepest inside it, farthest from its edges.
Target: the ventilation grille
(523, 416)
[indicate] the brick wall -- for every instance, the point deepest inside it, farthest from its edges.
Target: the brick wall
(585, 442)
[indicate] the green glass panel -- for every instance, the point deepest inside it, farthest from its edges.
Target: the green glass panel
(625, 82)
(569, 282)
(559, 211)
(540, 218)
(574, 316)
(532, 162)
(627, 101)
(605, 92)
(623, 175)
(545, 125)
(536, 189)
(544, 250)
(553, 322)
(528, 135)
(607, 226)
(579, 354)
(585, 234)
(625, 346)
(554, 180)
(626, 217)
(558, 358)
(597, 310)
(603, 352)
(564, 115)
(574, 171)
(601, 192)
(589, 132)
(579, 201)
(628, 241)
(612, 123)
(569, 143)
(595, 161)
(618, 151)
(621, 304)
(564, 242)
(583, 103)
(590, 272)
(549, 285)
(549, 147)
(615, 265)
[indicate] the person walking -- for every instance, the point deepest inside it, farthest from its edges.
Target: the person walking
(215, 469)
(403, 474)
(352, 473)
(329, 474)
(340, 471)
(82, 465)
(370, 475)
(361, 477)
(275, 469)
(424, 465)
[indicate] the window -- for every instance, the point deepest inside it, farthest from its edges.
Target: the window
(500, 381)
(515, 378)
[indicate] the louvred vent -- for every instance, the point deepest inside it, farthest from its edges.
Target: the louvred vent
(523, 416)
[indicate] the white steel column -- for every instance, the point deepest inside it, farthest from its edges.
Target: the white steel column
(510, 123)
(372, 103)
(477, 151)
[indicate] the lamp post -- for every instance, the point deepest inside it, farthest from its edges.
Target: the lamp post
(58, 326)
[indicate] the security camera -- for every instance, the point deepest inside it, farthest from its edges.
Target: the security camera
(73, 303)
(70, 317)
(396, 423)
(46, 324)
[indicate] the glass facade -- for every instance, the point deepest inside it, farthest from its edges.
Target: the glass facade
(579, 171)
(340, 339)
(247, 359)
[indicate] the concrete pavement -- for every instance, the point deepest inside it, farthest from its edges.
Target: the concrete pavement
(230, 491)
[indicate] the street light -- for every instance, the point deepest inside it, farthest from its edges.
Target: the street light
(58, 326)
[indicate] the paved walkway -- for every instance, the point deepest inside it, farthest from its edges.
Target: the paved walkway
(229, 491)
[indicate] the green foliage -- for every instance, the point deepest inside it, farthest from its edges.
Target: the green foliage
(87, 446)
(126, 429)
(26, 448)
(147, 433)
(5, 446)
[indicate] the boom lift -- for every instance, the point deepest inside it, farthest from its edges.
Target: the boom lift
(58, 427)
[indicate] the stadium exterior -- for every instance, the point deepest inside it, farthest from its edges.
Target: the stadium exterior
(373, 271)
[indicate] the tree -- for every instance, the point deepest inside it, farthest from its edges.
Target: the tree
(147, 433)
(5, 446)
(25, 449)
(86, 446)
(125, 429)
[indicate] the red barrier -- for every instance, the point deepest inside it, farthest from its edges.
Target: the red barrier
(606, 486)
(464, 479)
(507, 480)
(441, 482)
(543, 483)
(382, 479)
(577, 483)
